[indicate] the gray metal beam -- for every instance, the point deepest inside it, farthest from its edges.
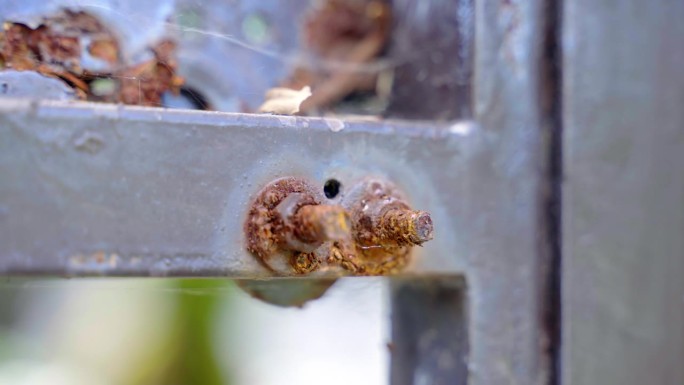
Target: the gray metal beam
(623, 207)
(96, 189)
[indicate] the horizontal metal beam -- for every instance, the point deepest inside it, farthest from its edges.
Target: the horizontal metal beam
(97, 189)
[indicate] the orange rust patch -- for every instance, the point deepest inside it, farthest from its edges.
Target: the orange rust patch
(304, 263)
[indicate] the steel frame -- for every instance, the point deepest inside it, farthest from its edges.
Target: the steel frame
(109, 190)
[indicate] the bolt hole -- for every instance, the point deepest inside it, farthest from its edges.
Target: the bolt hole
(331, 188)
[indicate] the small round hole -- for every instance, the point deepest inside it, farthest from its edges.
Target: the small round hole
(331, 188)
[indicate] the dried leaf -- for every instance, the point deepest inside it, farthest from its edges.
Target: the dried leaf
(54, 49)
(284, 101)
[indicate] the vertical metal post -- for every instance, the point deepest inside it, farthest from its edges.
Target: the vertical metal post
(433, 312)
(623, 207)
(499, 325)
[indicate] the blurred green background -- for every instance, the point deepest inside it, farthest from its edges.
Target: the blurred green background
(188, 331)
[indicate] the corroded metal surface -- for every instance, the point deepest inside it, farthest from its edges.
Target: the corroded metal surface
(269, 230)
(385, 228)
(369, 231)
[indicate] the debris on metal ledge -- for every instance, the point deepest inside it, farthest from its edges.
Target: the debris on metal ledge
(284, 101)
(78, 49)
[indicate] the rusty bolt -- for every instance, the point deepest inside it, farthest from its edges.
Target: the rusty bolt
(371, 232)
(307, 224)
(382, 218)
(321, 223)
(405, 227)
(287, 223)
